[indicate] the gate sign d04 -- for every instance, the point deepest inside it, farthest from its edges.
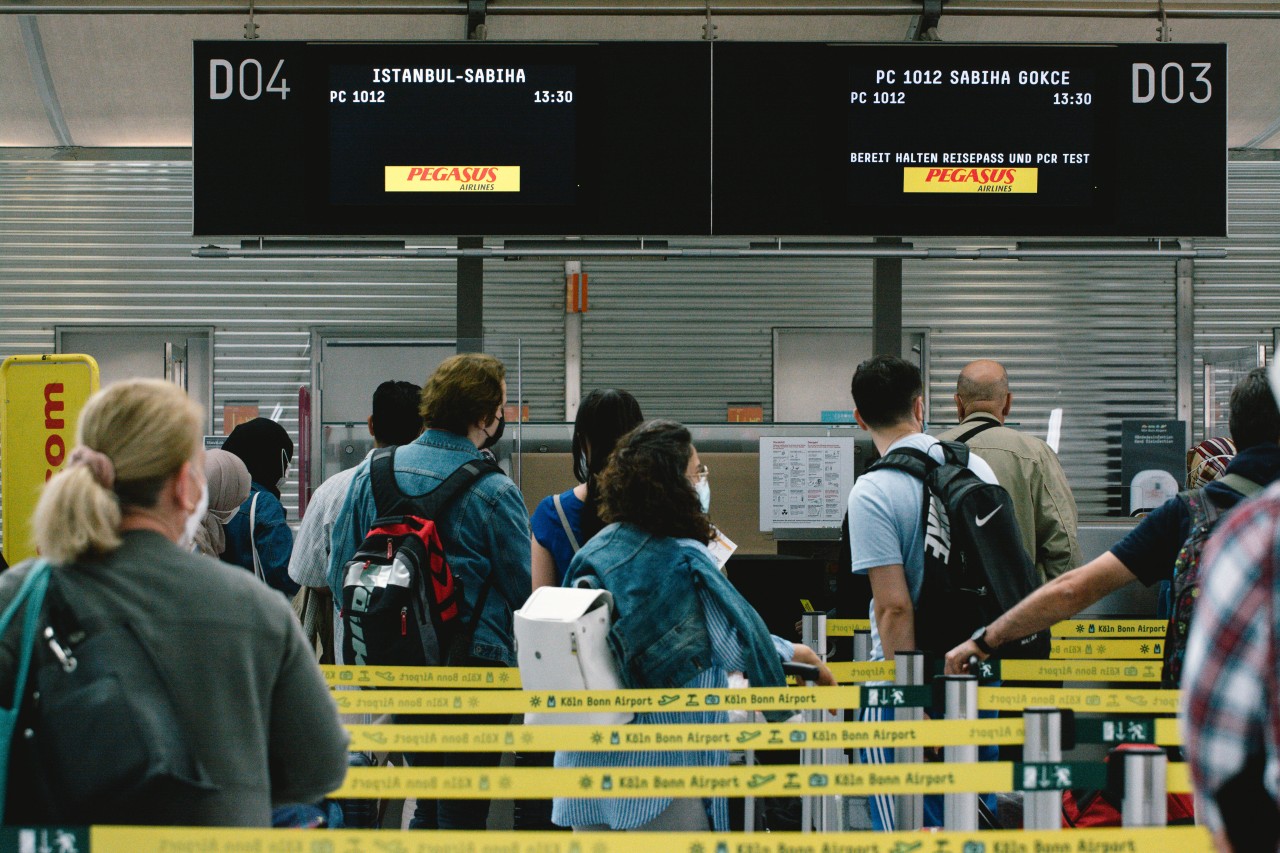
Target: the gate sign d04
(40, 401)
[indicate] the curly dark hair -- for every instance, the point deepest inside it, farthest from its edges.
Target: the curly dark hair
(645, 484)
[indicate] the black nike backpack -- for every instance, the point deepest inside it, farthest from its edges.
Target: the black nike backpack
(975, 567)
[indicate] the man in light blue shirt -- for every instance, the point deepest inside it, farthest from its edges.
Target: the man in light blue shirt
(887, 534)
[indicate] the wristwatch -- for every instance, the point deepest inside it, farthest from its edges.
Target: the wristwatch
(979, 640)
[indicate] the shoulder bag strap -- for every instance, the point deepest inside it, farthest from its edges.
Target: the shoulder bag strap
(30, 599)
(253, 542)
(1243, 485)
(981, 427)
(956, 453)
(564, 522)
(917, 463)
(464, 476)
(382, 483)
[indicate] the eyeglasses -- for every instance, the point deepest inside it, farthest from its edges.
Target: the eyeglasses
(700, 476)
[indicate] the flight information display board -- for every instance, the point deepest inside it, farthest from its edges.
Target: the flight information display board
(1122, 140)
(295, 138)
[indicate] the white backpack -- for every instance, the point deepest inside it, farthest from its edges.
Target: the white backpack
(562, 643)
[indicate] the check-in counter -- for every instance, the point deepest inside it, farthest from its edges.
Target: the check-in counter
(540, 460)
(1134, 600)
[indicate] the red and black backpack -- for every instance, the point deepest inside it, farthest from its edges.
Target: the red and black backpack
(400, 599)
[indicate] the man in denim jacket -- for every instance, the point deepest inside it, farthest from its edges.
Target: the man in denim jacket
(485, 533)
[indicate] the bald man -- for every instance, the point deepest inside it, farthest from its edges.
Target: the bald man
(1026, 466)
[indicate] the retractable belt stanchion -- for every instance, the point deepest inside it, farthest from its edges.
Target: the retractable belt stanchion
(749, 801)
(1145, 781)
(862, 646)
(826, 813)
(1042, 741)
(960, 811)
(909, 671)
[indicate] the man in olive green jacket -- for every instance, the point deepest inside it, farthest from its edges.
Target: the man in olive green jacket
(1026, 466)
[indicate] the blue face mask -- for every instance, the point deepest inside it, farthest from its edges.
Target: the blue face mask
(703, 489)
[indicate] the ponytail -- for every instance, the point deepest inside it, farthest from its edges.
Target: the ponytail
(76, 515)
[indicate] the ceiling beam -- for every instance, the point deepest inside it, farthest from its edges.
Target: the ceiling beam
(43, 78)
(1173, 9)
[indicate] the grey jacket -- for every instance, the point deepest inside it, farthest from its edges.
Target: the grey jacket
(253, 704)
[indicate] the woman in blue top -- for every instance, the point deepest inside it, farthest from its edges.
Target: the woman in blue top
(266, 450)
(563, 523)
(677, 622)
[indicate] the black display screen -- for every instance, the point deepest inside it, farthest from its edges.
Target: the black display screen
(297, 139)
(901, 140)
(450, 138)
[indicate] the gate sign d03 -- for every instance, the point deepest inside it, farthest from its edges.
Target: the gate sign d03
(40, 401)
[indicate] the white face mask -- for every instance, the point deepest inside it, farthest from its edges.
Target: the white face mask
(703, 488)
(284, 476)
(193, 521)
(224, 516)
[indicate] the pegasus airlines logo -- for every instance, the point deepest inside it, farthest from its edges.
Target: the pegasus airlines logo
(451, 179)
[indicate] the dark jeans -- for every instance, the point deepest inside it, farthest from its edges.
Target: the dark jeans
(534, 814)
(452, 814)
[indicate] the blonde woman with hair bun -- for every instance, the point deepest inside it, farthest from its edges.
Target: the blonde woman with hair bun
(118, 524)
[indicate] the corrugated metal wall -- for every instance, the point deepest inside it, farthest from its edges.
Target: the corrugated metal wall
(1237, 300)
(109, 244)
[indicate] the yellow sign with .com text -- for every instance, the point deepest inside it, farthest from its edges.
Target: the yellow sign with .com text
(40, 401)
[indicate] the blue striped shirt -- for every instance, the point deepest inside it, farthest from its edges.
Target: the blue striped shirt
(631, 813)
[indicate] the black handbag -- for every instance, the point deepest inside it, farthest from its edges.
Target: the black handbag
(98, 740)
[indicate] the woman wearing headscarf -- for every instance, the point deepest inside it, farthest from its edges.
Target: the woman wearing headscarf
(228, 488)
(258, 535)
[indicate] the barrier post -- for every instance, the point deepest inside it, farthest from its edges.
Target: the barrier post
(960, 811)
(1042, 741)
(909, 808)
(862, 646)
(1144, 786)
(822, 813)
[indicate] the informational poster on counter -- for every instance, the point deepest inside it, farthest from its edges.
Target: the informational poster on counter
(1153, 462)
(804, 482)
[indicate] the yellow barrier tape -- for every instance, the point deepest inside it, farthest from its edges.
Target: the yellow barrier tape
(1079, 670)
(856, 673)
(1087, 701)
(1168, 732)
(133, 839)
(456, 677)
(1021, 670)
(1111, 629)
(1178, 779)
(780, 780)
(526, 701)
(636, 738)
(473, 678)
(847, 627)
(1108, 649)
